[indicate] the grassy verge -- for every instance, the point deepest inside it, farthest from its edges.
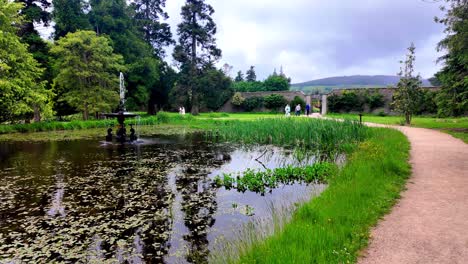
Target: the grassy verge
(457, 127)
(162, 117)
(335, 226)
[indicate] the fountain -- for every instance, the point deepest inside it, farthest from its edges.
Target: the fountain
(121, 114)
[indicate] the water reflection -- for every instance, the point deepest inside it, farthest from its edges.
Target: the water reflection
(153, 203)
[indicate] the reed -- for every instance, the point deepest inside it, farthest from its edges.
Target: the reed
(335, 226)
(327, 138)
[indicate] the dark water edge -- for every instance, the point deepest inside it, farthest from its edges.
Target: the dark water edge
(88, 201)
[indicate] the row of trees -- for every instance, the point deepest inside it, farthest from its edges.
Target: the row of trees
(93, 41)
(249, 83)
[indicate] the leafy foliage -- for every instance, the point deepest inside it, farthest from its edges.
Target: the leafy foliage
(262, 181)
(453, 97)
(87, 72)
(69, 16)
(216, 89)
(298, 101)
(148, 14)
(22, 90)
(245, 86)
(237, 99)
(274, 101)
(252, 103)
(406, 97)
(276, 83)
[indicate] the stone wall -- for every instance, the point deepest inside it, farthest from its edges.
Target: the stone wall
(289, 95)
(386, 92)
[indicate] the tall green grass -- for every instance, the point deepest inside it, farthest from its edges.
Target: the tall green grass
(335, 226)
(327, 137)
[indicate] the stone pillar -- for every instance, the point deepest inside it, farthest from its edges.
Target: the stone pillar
(308, 100)
(324, 104)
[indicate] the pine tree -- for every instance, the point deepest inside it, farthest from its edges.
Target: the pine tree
(239, 77)
(148, 14)
(250, 75)
(69, 16)
(452, 99)
(407, 95)
(196, 50)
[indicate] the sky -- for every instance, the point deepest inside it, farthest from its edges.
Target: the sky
(314, 39)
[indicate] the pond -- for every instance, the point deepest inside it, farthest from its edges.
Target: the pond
(154, 202)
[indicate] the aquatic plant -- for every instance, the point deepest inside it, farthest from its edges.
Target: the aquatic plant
(262, 181)
(327, 138)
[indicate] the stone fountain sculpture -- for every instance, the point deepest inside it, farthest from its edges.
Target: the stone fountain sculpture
(121, 114)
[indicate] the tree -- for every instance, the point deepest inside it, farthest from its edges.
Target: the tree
(276, 83)
(148, 15)
(216, 89)
(248, 86)
(69, 16)
(227, 69)
(239, 77)
(35, 11)
(196, 50)
(22, 92)
(435, 81)
(452, 99)
(87, 71)
(407, 95)
(112, 18)
(250, 75)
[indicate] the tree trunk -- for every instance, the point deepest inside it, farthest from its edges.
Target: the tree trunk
(408, 118)
(37, 114)
(193, 72)
(195, 106)
(85, 112)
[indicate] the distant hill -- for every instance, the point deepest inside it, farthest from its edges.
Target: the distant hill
(354, 81)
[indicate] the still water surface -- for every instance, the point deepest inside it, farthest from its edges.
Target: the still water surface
(87, 201)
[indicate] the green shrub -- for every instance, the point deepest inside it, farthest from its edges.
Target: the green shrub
(298, 100)
(375, 100)
(162, 117)
(252, 103)
(237, 99)
(274, 101)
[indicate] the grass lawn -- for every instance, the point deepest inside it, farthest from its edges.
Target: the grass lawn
(335, 226)
(457, 127)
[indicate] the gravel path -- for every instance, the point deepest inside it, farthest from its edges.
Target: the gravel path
(429, 224)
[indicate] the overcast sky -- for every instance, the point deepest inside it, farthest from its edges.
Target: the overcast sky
(313, 39)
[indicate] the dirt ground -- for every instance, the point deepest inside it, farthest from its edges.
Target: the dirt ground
(430, 222)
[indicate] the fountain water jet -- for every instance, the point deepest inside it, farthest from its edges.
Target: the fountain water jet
(121, 114)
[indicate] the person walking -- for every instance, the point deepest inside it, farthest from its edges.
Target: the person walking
(307, 109)
(287, 110)
(298, 110)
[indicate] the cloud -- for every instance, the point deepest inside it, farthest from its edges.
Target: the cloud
(314, 39)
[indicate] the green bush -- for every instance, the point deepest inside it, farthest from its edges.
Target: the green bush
(252, 103)
(162, 117)
(375, 100)
(274, 101)
(298, 100)
(237, 99)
